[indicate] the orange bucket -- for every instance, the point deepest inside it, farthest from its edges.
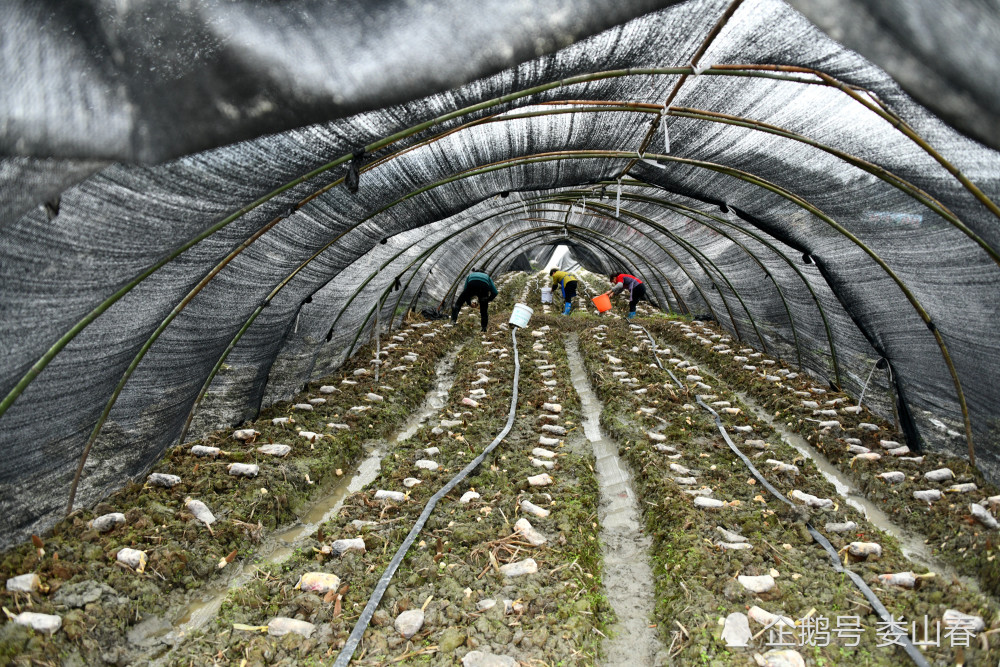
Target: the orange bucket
(602, 302)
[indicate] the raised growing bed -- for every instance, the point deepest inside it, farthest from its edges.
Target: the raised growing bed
(947, 524)
(697, 572)
(101, 599)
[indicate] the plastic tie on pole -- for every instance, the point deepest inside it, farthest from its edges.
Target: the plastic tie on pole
(666, 130)
(698, 69)
(52, 208)
(618, 198)
(353, 177)
(881, 362)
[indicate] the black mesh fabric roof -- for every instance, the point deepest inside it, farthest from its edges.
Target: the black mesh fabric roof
(178, 246)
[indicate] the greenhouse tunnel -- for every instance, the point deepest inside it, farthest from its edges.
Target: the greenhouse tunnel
(205, 207)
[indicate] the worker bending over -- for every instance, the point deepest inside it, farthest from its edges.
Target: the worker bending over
(567, 282)
(479, 286)
(635, 287)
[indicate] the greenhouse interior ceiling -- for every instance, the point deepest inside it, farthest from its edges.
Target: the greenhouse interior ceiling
(205, 206)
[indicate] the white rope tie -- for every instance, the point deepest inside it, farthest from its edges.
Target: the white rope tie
(865, 388)
(618, 198)
(666, 130)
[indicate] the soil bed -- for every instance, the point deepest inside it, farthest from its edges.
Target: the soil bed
(102, 602)
(697, 587)
(952, 535)
(548, 616)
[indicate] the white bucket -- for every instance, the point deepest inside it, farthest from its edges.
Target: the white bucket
(546, 295)
(520, 315)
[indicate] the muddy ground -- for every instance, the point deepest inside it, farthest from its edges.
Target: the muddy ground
(249, 572)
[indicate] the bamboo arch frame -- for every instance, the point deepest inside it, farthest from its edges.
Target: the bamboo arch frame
(779, 72)
(736, 70)
(791, 197)
(546, 157)
(612, 154)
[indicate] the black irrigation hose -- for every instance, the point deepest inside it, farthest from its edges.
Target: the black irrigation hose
(911, 650)
(657, 357)
(354, 639)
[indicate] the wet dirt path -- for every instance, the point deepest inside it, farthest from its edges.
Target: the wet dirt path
(628, 578)
(280, 545)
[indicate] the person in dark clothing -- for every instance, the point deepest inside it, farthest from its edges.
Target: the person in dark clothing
(637, 290)
(478, 286)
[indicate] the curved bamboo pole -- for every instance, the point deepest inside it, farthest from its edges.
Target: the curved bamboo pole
(889, 177)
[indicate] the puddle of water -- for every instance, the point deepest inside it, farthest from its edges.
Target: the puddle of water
(328, 506)
(280, 545)
(628, 579)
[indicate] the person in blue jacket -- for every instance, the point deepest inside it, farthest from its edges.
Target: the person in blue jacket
(478, 286)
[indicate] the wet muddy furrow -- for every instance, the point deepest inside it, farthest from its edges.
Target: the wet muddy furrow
(628, 579)
(912, 545)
